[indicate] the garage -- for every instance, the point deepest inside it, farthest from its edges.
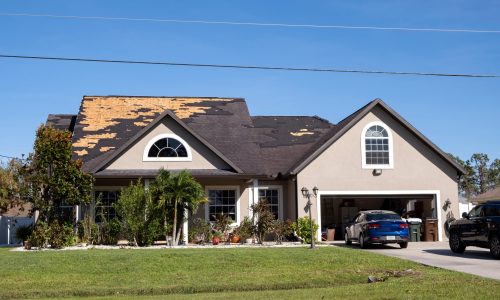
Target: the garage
(337, 208)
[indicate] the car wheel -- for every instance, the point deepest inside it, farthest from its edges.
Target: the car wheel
(403, 245)
(495, 246)
(362, 242)
(456, 244)
(347, 239)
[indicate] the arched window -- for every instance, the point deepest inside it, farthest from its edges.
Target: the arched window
(376, 141)
(167, 147)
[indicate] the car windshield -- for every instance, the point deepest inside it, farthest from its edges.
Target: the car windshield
(373, 217)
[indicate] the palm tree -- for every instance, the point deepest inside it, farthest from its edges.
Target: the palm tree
(177, 192)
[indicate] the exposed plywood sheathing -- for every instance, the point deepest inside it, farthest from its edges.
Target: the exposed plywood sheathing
(81, 152)
(106, 149)
(98, 115)
(301, 132)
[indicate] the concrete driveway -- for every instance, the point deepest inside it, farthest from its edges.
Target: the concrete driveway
(474, 260)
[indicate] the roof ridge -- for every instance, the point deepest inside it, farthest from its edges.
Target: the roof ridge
(151, 96)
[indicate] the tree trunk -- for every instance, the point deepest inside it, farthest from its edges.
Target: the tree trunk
(174, 231)
(165, 228)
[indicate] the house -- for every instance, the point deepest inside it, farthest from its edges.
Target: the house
(372, 159)
(490, 195)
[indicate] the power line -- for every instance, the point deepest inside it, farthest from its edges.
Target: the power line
(11, 157)
(312, 26)
(268, 68)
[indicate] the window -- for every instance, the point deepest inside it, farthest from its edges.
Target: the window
(376, 142)
(272, 196)
(476, 212)
(222, 201)
(104, 205)
(167, 147)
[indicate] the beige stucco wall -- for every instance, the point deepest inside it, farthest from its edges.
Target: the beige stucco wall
(202, 156)
(416, 167)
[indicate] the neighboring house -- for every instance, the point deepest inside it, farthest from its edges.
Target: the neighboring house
(373, 159)
(493, 194)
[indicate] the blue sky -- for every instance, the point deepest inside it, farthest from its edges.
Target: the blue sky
(460, 115)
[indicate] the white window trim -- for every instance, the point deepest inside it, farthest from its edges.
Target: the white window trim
(280, 197)
(225, 187)
(364, 165)
(167, 135)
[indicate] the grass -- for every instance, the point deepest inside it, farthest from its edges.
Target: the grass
(250, 273)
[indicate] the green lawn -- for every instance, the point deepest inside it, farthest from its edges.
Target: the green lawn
(250, 273)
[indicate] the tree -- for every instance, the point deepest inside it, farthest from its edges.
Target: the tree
(174, 194)
(480, 175)
(52, 177)
(264, 219)
(9, 185)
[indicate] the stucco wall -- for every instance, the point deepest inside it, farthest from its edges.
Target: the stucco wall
(416, 166)
(203, 158)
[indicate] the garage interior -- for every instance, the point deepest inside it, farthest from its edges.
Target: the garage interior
(338, 211)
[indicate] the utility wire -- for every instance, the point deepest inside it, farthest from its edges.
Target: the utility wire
(327, 70)
(11, 157)
(249, 23)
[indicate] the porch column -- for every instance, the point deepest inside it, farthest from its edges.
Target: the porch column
(185, 227)
(255, 192)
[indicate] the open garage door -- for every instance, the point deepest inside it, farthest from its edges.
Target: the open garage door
(337, 209)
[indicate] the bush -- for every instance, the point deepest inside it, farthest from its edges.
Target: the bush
(246, 229)
(40, 235)
(110, 232)
(281, 229)
(61, 235)
(221, 226)
(201, 231)
(303, 229)
(23, 232)
(264, 221)
(140, 218)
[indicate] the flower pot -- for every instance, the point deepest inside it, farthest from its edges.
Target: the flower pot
(249, 241)
(235, 239)
(215, 240)
(27, 245)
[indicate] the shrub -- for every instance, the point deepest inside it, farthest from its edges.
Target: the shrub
(201, 231)
(23, 232)
(246, 229)
(221, 226)
(40, 235)
(140, 218)
(110, 232)
(281, 229)
(303, 229)
(265, 219)
(61, 235)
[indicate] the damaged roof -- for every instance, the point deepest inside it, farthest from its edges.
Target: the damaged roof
(253, 145)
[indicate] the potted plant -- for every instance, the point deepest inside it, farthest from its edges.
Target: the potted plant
(216, 238)
(235, 235)
(221, 226)
(23, 232)
(246, 230)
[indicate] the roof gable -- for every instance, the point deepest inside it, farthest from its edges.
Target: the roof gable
(346, 124)
(142, 133)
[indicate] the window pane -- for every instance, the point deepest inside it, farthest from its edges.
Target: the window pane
(167, 152)
(173, 143)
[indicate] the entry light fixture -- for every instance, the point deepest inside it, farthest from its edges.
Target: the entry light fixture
(315, 190)
(305, 191)
(377, 172)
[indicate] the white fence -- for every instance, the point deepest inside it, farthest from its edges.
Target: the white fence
(8, 226)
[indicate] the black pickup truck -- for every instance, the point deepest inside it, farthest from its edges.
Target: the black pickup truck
(480, 227)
